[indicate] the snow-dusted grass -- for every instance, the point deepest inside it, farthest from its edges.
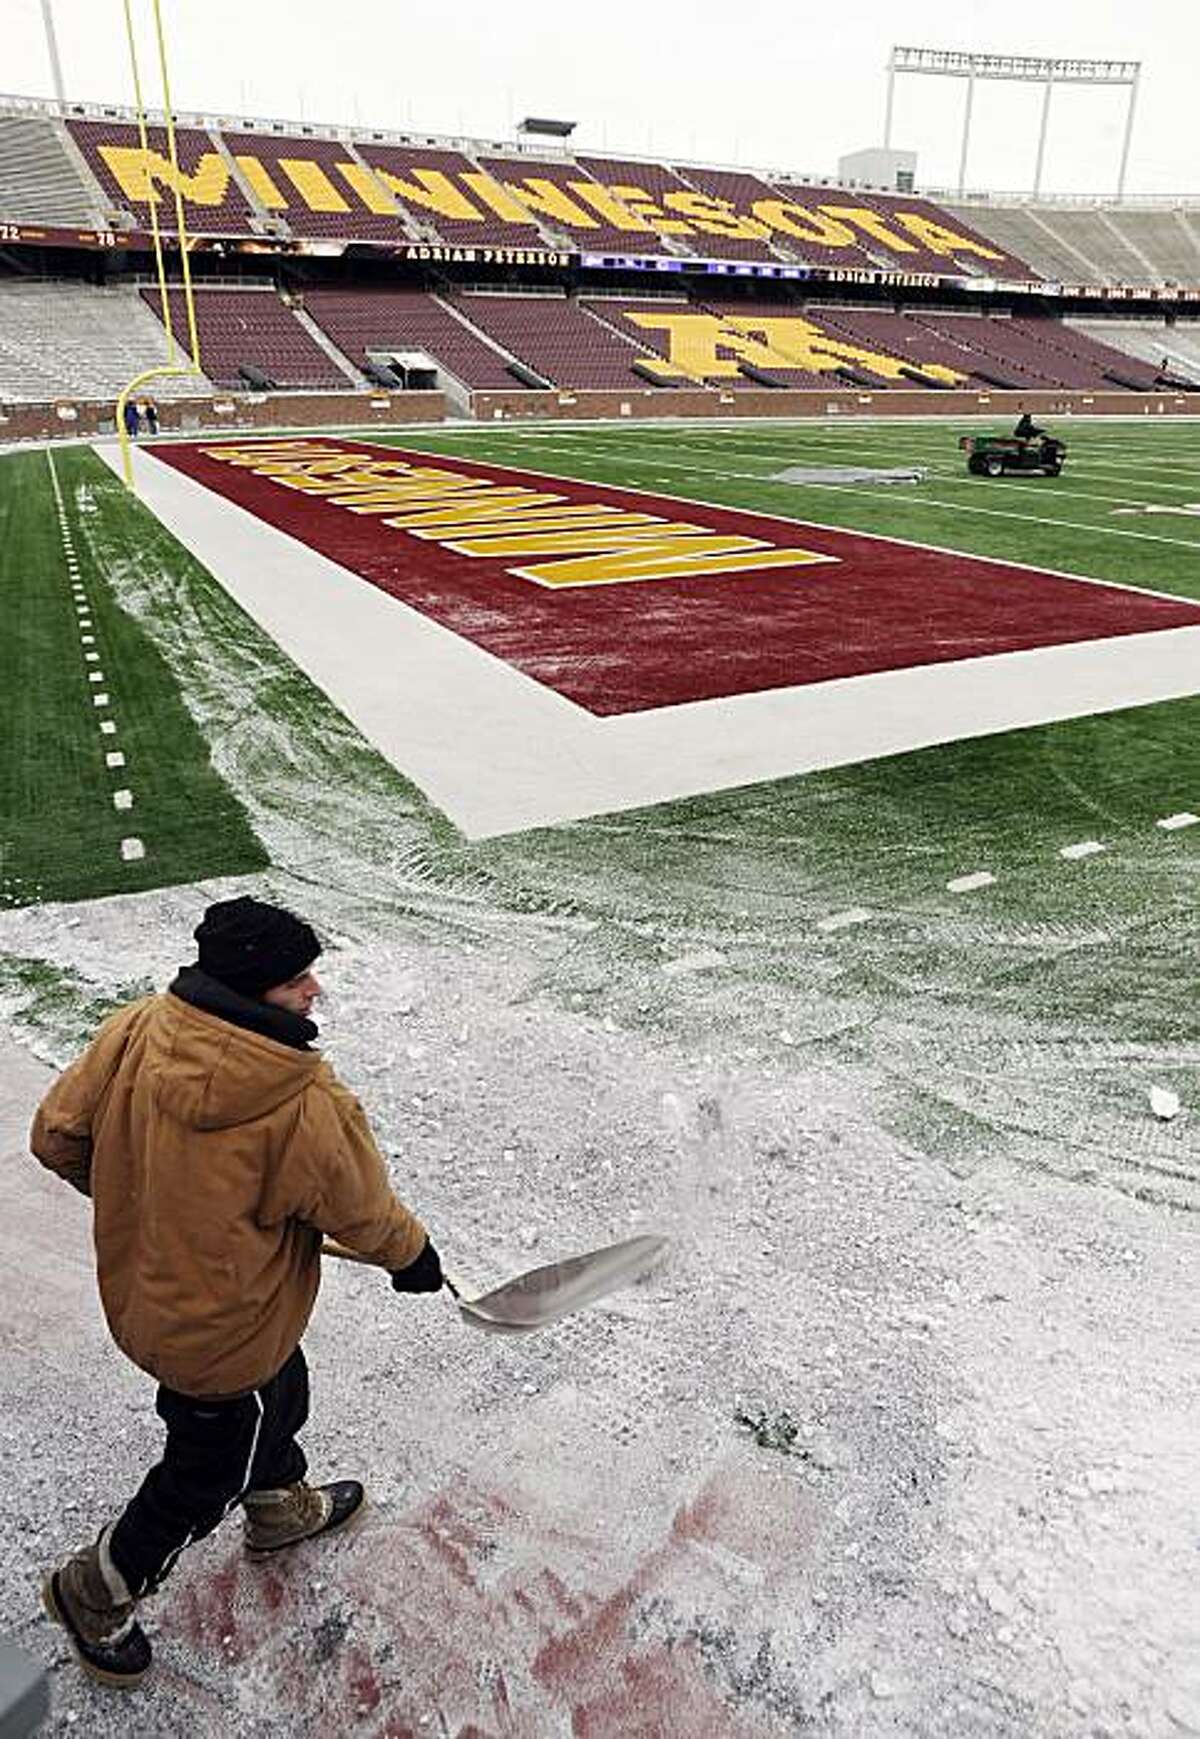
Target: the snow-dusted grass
(69, 702)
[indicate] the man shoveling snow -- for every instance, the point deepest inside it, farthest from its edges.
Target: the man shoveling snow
(217, 1147)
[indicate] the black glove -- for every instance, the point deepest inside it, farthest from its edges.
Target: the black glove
(423, 1275)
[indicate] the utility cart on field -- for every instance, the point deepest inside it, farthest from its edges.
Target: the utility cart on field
(995, 455)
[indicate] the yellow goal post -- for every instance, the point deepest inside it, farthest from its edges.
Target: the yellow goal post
(173, 367)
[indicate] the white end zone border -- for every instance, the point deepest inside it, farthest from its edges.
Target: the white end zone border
(500, 753)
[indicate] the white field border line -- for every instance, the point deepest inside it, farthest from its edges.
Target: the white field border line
(874, 536)
(486, 743)
(499, 753)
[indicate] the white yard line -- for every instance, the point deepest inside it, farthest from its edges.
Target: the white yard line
(499, 753)
(968, 884)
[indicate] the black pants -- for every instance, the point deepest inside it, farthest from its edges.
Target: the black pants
(216, 1452)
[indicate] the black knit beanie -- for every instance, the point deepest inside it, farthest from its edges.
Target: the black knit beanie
(252, 946)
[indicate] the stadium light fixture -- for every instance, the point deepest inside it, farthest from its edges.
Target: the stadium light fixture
(1020, 69)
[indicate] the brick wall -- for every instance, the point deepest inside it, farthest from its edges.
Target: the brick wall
(294, 410)
(617, 406)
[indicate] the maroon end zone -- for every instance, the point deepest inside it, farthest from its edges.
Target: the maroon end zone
(871, 605)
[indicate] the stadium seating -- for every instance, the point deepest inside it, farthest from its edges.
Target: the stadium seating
(882, 236)
(1102, 364)
(379, 189)
(1091, 234)
(319, 187)
(896, 335)
(553, 187)
(448, 197)
(617, 315)
(1037, 353)
(1165, 239)
(67, 340)
(362, 320)
(973, 261)
(642, 187)
(333, 189)
(1021, 229)
(739, 192)
(1103, 245)
(240, 327)
(556, 337)
(1004, 352)
(215, 204)
(40, 182)
(1152, 341)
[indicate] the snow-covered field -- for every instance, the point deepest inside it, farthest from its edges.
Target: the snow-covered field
(969, 1506)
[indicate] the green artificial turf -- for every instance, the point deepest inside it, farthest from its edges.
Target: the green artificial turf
(1025, 1017)
(60, 834)
(1090, 521)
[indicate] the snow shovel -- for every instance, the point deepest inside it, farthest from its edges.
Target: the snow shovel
(543, 1295)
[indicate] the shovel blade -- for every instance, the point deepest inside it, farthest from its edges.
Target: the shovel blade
(543, 1295)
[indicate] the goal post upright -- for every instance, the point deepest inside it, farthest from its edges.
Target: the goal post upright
(173, 368)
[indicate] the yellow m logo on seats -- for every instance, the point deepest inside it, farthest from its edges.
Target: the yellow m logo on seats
(138, 171)
(714, 347)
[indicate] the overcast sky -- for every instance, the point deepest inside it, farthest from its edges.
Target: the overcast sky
(761, 82)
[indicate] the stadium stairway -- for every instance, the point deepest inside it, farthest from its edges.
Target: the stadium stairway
(322, 340)
(239, 327)
(557, 337)
(359, 321)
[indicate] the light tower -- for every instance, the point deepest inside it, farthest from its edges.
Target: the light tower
(1013, 69)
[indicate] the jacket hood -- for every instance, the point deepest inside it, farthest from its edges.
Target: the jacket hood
(210, 1074)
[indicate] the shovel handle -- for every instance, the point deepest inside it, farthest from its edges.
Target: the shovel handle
(330, 1247)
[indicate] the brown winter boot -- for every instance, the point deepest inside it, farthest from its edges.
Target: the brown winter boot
(291, 1513)
(89, 1598)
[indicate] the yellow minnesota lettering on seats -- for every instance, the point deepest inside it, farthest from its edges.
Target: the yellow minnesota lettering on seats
(551, 538)
(464, 199)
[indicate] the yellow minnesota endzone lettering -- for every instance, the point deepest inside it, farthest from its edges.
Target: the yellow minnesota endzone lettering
(669, 558)
(589, 543)
(453, 507)
(488, 523)
(261, 451)
(385, 497)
